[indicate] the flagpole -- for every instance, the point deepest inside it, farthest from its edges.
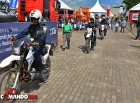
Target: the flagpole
(64, 15)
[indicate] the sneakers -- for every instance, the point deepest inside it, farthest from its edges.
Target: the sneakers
(63, 49)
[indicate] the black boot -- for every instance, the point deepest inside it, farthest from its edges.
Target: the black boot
(43, 72)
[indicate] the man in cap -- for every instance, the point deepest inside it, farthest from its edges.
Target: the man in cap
(67, 33)
(123, 25)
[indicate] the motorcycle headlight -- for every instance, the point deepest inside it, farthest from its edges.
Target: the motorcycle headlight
(17, 50)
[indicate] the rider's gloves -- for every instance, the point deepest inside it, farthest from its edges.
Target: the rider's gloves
(12, 39)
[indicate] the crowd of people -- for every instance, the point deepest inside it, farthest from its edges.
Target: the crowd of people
(113, 23)
(95, 23)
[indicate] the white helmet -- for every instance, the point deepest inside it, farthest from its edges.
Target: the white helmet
(36, 14)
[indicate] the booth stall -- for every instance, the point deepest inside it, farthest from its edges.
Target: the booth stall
(134, 13)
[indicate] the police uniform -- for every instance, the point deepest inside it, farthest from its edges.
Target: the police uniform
(41, 39)
(103, 22)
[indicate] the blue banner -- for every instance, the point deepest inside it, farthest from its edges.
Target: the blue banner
(13, 3)
(5, 45)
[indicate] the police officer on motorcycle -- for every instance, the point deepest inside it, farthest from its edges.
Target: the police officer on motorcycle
(39, 40)
(94, 27)
(103, 22)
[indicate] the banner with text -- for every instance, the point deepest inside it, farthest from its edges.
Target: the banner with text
(5, 45)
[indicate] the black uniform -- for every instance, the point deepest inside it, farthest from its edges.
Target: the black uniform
(103, 22)
(41, 39)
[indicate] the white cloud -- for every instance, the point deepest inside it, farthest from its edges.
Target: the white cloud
(117, 3)
(104, 5)
(74, 2)
(67, 0)
(81, 0)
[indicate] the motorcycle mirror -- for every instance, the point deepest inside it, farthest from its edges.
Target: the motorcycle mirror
(32, 39)
(10, 30)
(40, 32)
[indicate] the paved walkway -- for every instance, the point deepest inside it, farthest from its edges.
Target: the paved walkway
(109, 74)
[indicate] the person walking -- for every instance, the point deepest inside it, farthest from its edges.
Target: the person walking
(116, 25)
(138, 29)
(111, 23)
(67, 33)
(123, 25)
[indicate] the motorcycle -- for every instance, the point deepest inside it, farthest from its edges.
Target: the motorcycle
(88, 39)
(103, 30)
(22, 66)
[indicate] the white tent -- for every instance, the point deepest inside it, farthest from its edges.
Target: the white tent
(137, 7)
(92, 15)
(81, 14)
(64, 6)
(97, 8)
(111, 14)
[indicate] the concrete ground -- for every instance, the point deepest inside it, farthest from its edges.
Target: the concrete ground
(109, 74)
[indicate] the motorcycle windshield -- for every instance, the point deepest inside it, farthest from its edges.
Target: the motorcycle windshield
(18, 44)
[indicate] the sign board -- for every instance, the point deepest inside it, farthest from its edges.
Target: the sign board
(135, 16)
(13, 4)
(5, 45)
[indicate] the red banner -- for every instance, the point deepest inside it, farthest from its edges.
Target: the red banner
(67, 13)
(108, 12)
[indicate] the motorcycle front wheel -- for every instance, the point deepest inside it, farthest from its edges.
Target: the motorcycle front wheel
(102, 35)
(7, 80)
(47, 66)
(88, 45)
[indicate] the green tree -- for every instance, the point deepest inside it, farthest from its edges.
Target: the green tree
(116, 7)
(131, 3)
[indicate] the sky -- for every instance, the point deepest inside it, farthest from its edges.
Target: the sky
(103, 3)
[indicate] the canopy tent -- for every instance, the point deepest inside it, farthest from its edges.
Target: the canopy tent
(97, 8)
(111, 14)
(64, 6)
(92, 15)
(135, 8)
(134, 13)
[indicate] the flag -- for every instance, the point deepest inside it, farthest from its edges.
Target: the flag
(66, 13)
(13, 3)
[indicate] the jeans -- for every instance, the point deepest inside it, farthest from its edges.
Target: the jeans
(116, 29)
(138, 34)
(66, 42)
